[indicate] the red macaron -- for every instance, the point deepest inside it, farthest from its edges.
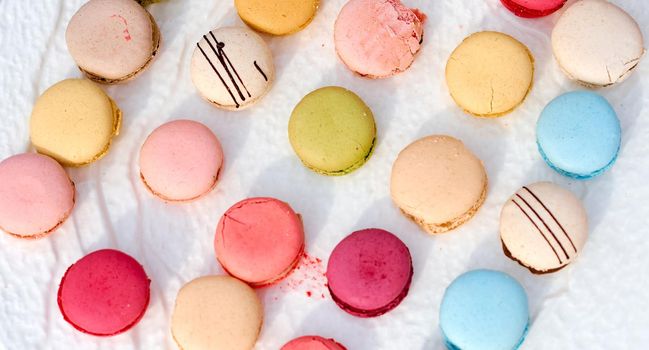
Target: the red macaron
(104, 293)
(369, 272)
(312, 342)
(533, 8)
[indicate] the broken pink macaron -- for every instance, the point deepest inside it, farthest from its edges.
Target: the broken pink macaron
(369, 272)
(180, 161)
(259, 240)
(533, 8)
(36, 195)
(104, 293)
(312, 342)
(378, 38)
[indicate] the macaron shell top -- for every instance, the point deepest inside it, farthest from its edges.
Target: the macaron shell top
(36, 195)
(543, 227)
(312, 342)
(437, 182)
(181, 160)
(486, 310)
(369, 272)
(597, 43)
(112, 40)
(73, 122)
(579, 134)
(489, 74)
(332, 131)
(533, 8)
(277, 17)
(378, 38)
(259, 240)
(232, 67)
(104, 293)
(216, 312)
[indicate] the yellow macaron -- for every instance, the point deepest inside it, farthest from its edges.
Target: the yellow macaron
(489, 74)
(277, 17)
(74, 122)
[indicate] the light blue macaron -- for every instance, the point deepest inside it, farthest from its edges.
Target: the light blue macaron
(484, 310)
(579, 135)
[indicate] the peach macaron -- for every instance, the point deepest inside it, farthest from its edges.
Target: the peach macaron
(378, 38)
(36, 195)
(180, 161)
(259, 240)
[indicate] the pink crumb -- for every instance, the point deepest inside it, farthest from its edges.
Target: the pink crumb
(127, 34)
(308, 278)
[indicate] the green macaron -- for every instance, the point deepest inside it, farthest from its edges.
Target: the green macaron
(332, 131)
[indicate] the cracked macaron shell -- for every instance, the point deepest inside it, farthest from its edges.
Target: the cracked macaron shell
(332, 131)
(112, 40)
(312, 342)
(438, 183)
(216, 312)
(489, 74)
(36, 195)
(378, 38)
(277, 17)
(74, 122)
(596, 43)
(259, 240)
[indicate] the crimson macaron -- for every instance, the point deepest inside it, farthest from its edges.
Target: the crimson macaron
(312, 342)
(104, 293)
(369, 272)
(259, 240)
(533, 8)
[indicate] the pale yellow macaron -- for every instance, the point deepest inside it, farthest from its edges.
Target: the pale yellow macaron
(74, 122)
(489, 74)
(277, 17)
(216, 312)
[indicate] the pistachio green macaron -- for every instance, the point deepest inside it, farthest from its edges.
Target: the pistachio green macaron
(332, 131)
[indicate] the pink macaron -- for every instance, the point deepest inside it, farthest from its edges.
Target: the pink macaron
(259, 240)
(180, 161)
(36, 195)
(369, 272)
(378, 38)
(533, 8)
(104, 293)
(312, 342)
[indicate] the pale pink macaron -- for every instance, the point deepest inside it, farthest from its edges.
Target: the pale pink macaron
(180, 161)
(312, 342)
(378, 38)
(36, 195)
(259, 240)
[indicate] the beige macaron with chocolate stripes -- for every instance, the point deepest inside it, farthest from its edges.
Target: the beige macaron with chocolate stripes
(232, 67)
(543, 227)
(597, 43)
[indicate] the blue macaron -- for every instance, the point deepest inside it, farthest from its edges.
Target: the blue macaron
(484, 310)
(579, 135)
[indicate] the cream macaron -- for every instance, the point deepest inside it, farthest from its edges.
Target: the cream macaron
(543, 227)
(181, 161)
(216, 312)
(597, 43)
(232, 67)
(74, 122)
(112, 40)
(438, 183)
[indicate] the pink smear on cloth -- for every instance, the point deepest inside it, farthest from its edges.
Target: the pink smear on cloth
(378, 38)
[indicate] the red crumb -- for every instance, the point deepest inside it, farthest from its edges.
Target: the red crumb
(308, 278)
(308, 293)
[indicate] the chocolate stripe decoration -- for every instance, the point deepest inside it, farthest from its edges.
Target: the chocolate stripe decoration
(545, 224)
(261, 71)
(221, 45)
(541, 232)
(218, 74)
(553, 217)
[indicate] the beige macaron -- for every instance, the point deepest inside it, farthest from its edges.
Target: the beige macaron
(597, 43)
(438, 183)
(112, 40)
(216, 312)
(232, 67)
(543, 227)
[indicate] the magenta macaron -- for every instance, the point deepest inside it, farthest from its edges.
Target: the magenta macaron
(369, 272)
(36, 195)
(533, 8)
(180, 161)
(104, 293)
